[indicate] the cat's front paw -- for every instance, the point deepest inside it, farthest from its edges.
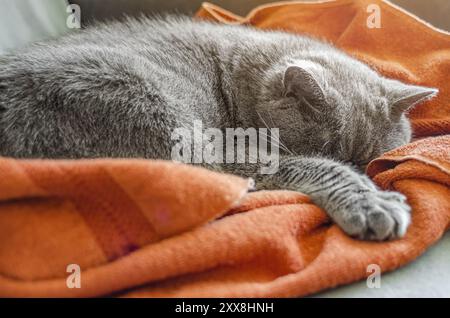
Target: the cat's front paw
(374, 215)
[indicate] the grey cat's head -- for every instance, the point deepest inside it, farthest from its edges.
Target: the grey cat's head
(338, 107)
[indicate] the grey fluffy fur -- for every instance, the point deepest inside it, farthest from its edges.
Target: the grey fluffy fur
(119, 90)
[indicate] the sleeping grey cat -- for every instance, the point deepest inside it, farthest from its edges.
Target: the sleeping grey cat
(119, 90)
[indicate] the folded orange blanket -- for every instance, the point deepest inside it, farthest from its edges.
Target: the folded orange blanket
(403, 47)
(139, 228)
(184, 231)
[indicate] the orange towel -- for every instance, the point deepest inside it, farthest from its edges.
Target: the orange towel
(176, 230)
(188, 232)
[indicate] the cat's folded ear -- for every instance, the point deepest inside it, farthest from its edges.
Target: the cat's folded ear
(404, 97)
(301, 83)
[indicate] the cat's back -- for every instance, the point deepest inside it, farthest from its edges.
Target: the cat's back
(111, 90)
(59, 98)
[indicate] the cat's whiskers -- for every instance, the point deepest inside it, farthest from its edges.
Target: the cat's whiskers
(324, 145)
(279, 142)
(276, 142)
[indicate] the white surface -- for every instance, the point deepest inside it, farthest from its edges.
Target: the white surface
(427, 276)
(25, 21)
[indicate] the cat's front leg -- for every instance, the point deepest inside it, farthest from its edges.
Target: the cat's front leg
(349, 198)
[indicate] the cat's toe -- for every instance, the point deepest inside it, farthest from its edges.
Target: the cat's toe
(400, 212)
(380, 226)
(377, 216)
(354, 224)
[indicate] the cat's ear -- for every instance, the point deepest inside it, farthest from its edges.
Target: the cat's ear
(301, 83)
(404, 97)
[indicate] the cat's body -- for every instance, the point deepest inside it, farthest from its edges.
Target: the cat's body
(120, 90)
